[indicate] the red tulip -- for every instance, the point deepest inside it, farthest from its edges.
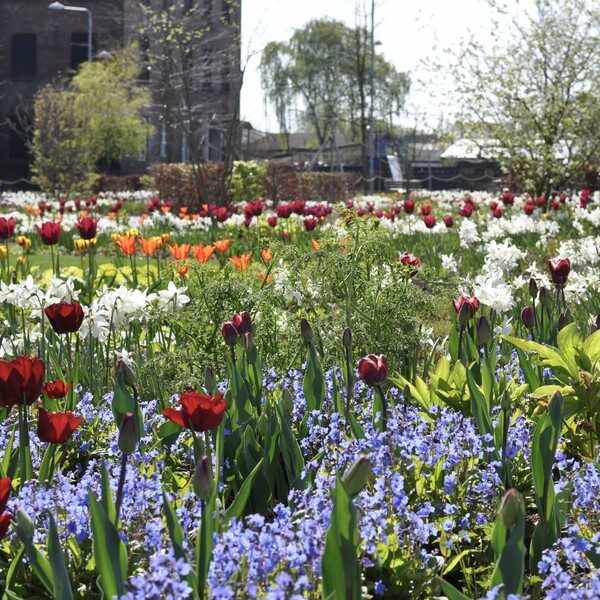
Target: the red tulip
(88, 227)
(559, 270)
(429, 221)
(408, 260)
(373, 369)
(242, 322)
(21, 380)
(4, 524)
(272, 221)
(198, 412)
(65, 317)
(448, 221)
(425, 209)
(7, 228)
(49, 232)
(528, 207)
(528, 317)
(497, 213)
(467, 210)
(466, 307)
(230, 333)
(57, 427)
(4, 492)
(310, 224)
(409, 206)
(57, 389)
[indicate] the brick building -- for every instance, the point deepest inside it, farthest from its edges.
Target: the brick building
(38, 45)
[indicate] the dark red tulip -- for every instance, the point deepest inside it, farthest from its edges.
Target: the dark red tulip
(310, 224)
(4, 492)
(4, 524)
(425, 209)
(540, 201)
(507, 198)
(7, 228)
(528, 317)
(408, 260)
(409, 206)
(49, 232)
(559, 270)
(272, 221)
(448, 221)
(230, 333)
(88, 227)
(21, 380)
(373, 369)
(65, 317)
(528, 207)
(497, 213)
(429, 221)
(198, 411)
(56, 428)
(467, 210)
(57, 389)
(242, 322)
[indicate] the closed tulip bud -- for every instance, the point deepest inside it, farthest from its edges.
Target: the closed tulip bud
(545, 297)
(307, 331)
(554, 399)
(483, 330)
(528, 317)
(347, 338)
(464, 314)
(210, 380)
(249, 344)
(356, 477)
(406, 392)
(202, 480)
(533, 288)
(230, 333)
(24, 521)
(287, 401)
(509, 508)
(128, 373)
(505, 403)
(561, 321)
(128, 434)
(262, 427)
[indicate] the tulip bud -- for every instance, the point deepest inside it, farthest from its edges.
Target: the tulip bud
(561, 321)
(307, 331)
(568, 317)
(347, 338)
(406, 392)
(554, 399)
(465, 313)
(202, 480)
(356, 477)
(483, 330)
(210, 380)
(509, 508)
(287, 401)
(262, 427)
(249, 342)
(528, 317)
(229, 333)
(128, 434)
(505, 403)
(533, 288)
(24, 521)
(545, 297)
(128, 373)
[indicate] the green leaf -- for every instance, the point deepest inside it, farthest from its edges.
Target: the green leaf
(313, 384)
(449, 590)
(38, 562)
(62, 585)
(591, 346)
(14, 565)
(545, 356)
(480, 409)
(6, 459)
(110, 554)
(290, 450)
(174, 527)
(123, 402)
(236, 509)
(529, 373)
(340, 567)
(204, 544)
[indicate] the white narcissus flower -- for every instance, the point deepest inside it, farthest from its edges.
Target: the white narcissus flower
(173, 296)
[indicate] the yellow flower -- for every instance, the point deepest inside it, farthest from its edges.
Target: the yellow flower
(132, 232)
(3, 251)
(24, 242)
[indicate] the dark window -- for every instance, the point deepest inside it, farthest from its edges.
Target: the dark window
(225, 80)
(79, 49)
(145, 56)
(23, 56)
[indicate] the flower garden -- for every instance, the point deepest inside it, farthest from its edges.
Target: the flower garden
(390, 397)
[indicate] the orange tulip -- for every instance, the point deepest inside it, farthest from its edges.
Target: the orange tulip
(182, 270)
(183, 210)
(127, 244)
(150, 245)
(241, 262)
(315, 244)
(262, 277)
(180, 252)
(222, 245)
(165, 209)
(203, 253)
(266, 254)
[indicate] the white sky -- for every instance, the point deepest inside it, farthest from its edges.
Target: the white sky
(411, 33)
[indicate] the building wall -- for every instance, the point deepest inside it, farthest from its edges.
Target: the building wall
(115, 23)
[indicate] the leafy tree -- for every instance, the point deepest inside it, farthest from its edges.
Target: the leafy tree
(535, 95)
(97, 116)
(325, 67)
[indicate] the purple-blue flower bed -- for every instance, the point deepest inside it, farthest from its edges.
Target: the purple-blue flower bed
(433, 497)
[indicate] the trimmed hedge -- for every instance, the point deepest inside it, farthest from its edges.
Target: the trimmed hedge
(279, 182)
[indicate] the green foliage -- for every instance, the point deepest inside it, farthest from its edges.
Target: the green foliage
(247, 180)
(534, 92)
(98, 116)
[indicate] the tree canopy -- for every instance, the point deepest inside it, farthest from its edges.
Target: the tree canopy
(534, 95)
(325, 70)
